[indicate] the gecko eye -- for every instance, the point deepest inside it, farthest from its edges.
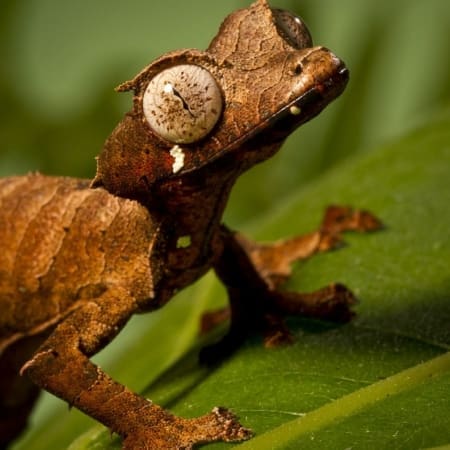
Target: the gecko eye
(183, 103)
(292, 29)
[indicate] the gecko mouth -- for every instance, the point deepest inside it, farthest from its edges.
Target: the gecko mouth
(307, 106)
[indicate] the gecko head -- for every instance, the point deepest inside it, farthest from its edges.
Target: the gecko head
(260, 78)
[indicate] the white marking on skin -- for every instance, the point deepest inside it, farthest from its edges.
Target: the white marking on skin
(295, 110)
(168, 88)
(178, 158)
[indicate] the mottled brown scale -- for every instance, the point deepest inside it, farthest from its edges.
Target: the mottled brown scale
(79, 258)
(43, 281)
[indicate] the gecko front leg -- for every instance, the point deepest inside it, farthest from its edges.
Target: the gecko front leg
(273, 261)
(62, 367)
(253, 274)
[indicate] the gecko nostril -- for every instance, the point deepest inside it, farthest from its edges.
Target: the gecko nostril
(298, 69)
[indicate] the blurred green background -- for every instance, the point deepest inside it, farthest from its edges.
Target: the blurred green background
(60, 61)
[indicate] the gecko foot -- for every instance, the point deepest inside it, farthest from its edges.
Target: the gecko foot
(333, 303)
(184, 434)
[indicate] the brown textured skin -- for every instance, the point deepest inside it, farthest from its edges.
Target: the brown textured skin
(78, 259)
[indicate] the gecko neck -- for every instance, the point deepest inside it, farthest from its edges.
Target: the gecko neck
(190, 211)
(193, 205)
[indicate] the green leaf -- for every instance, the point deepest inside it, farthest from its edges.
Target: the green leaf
(381, 381)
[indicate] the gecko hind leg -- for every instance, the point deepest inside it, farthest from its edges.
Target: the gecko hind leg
(253, 274)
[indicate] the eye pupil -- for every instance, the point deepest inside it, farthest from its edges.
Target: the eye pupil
(182, 103)
(292, 29)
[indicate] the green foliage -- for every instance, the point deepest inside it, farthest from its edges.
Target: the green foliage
(381, 381)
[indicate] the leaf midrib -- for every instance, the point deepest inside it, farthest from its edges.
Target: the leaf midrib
(350, 404)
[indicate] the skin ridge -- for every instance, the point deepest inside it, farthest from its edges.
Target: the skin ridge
(70, 202)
